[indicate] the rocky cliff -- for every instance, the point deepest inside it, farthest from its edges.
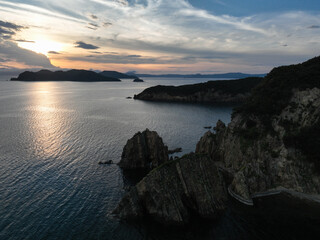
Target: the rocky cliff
(228, 91)
(268, 156)
(171, 193)
(145, 150)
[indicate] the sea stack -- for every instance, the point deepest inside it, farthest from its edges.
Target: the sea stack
(145, 150)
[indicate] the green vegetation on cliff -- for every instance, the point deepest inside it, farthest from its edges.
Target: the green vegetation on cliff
(273, 94)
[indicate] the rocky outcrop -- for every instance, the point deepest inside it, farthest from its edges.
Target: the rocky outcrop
(231, 91)
(261, 158)
(144, 151)
(265, 147)
(172, 193)
(208, 143)
(269, 156)
(138, 80)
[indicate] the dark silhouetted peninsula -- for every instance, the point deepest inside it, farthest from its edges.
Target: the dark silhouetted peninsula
(71, 75)
(115, 74)
(222, 91)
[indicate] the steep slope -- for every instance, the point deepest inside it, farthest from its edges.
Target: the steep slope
(145, 150)
(226, 91)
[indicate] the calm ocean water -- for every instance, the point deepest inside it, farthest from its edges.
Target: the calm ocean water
(52, 136)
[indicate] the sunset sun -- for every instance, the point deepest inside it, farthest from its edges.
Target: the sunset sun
(41, 46)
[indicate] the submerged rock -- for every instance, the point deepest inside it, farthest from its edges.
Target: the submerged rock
(174, 192)
(144, 151)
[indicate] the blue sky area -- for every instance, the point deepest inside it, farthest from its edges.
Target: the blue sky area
(249, 7)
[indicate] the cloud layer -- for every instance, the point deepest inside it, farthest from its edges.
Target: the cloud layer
(166, 34)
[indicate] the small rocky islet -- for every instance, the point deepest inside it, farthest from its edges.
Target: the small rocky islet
(267, 158)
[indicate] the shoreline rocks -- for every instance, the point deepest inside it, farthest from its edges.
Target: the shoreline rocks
(171, 193)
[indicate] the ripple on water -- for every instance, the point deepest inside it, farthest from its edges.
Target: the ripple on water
(52, 136)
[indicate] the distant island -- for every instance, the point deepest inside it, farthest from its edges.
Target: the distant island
(106, 76)
(222, 91)
(235, 75)
(115, 74)
(138, 80)
(71, 75)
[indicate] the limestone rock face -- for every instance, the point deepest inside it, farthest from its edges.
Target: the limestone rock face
(172, 192)
(145, 150)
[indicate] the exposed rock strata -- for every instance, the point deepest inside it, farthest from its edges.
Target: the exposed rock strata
(144, 151)
(171, 193)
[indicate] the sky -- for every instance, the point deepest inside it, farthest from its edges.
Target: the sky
(158, 36)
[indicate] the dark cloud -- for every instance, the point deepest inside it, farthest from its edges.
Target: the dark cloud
(107, 24)
(22, 40)
(93, 16)
(314, 27)
(12, 52)
(53, 52)
(10, 25)
(8, 29)
(84, 45)
(94, 25)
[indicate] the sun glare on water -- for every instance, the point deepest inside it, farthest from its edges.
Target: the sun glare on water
(41, 46)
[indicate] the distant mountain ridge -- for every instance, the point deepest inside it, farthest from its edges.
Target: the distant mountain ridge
(116, 74)
(236, 75)
(71, 75)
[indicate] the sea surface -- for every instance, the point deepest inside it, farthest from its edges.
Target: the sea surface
(52, 136)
